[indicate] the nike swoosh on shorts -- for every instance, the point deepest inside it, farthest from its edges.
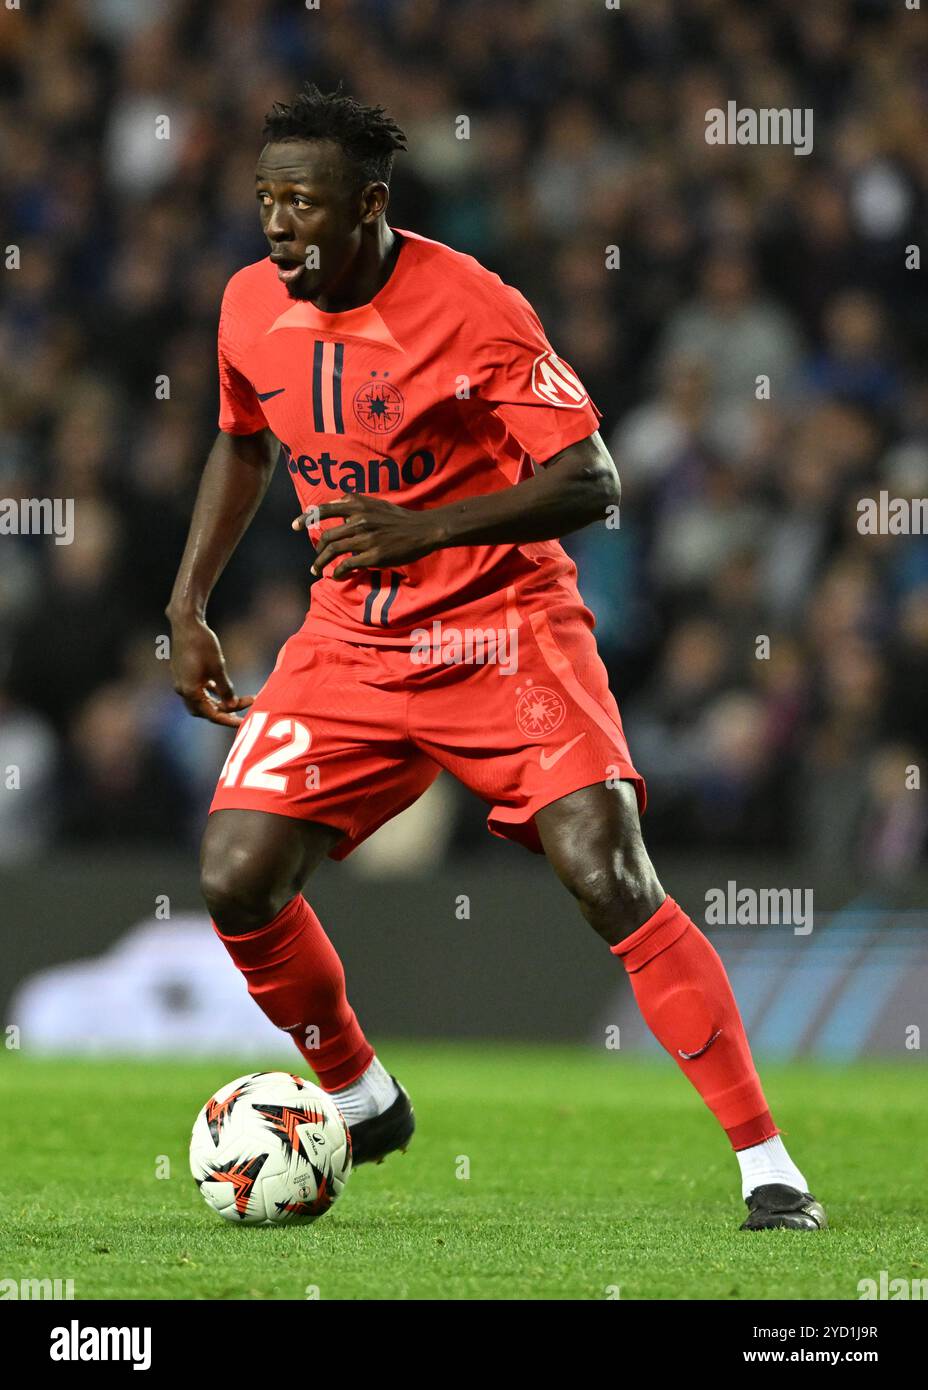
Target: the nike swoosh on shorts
(548, 760)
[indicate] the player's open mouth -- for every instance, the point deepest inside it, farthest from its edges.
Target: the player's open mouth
(288, 271)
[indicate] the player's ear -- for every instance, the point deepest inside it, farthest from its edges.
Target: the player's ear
(374, 200)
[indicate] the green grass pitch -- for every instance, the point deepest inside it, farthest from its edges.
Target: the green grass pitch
(591, 1177)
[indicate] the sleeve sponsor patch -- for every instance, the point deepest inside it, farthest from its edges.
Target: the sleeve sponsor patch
(557, 384)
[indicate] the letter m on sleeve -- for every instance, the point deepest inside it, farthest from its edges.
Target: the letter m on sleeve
(556, 383)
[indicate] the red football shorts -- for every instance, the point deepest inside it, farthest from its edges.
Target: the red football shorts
(349, 735)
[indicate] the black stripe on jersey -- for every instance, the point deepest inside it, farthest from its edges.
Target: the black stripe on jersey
(376, 578)
(394, 590)
(318, 422)
(337, 387)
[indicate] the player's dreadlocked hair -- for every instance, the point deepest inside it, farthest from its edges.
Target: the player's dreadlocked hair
(365, 133)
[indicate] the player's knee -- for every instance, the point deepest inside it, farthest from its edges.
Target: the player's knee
(240, 893)
(618, 894)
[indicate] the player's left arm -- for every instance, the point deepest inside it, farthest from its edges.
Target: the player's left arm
(573, 488)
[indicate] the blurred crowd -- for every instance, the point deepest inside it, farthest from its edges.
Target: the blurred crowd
(736, 265)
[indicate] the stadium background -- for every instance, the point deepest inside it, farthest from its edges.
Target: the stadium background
(587, 130)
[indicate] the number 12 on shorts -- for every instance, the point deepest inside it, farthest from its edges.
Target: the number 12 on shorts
(262, 775)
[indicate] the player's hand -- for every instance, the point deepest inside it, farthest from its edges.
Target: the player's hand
(200, 677)
(375, 534)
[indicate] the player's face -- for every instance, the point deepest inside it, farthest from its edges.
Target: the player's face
(308, 207)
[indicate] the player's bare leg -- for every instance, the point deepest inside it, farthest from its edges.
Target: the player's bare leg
(253, 863)
(593, 840)
(253, 867)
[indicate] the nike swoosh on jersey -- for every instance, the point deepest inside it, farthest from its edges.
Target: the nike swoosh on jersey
(548, 760)
(266, 395)
(689, 1056)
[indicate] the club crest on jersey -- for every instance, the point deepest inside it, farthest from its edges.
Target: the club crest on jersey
(556, 383)
(378, 406)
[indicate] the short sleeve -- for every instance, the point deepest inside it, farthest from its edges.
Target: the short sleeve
(239, 410)
(536, 394)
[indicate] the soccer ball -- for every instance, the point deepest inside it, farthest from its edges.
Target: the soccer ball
(270, 1148)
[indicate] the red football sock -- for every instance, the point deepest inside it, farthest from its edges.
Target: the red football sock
(686, 1000)
(294, 974)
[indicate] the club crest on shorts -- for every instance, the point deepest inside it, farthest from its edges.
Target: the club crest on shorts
(378, 406)
(539, 710)
(556, 383)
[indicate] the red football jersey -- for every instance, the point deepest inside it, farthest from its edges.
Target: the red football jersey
(443, 387)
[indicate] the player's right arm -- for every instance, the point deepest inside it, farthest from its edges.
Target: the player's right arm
(235, 479)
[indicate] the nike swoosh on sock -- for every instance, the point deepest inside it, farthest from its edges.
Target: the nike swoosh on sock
(689, 1056)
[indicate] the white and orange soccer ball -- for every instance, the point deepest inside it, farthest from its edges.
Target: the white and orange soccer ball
(270, 1148)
